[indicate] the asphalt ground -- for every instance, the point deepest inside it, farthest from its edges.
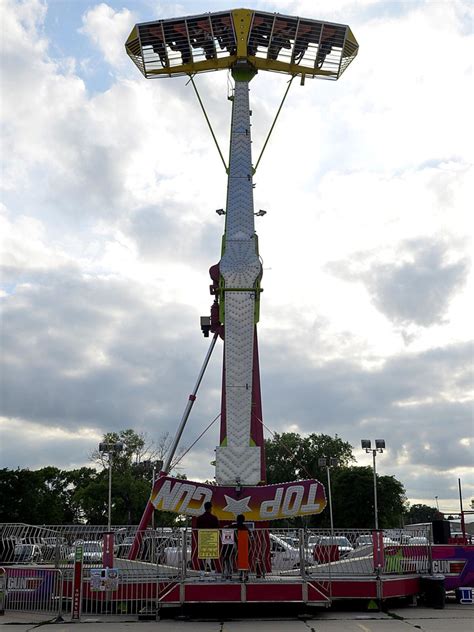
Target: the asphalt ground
(453, 618)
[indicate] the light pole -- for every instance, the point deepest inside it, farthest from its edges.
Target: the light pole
(437, 504)
(156, 465)
(379, 447)
(110, 449)
(329, 462)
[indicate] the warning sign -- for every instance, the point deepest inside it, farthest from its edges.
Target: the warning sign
(227, 536)
(103, 579)
(208, 544)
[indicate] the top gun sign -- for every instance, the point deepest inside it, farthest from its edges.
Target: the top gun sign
(268, 502)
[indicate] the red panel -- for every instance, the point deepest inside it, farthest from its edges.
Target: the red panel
(325, 553)
(317, 592)
(242, 550)
(108, 550)
(274, 592)
(400, 587)
(172, 596)
(133, 592)
(441, 551)
(256, 419)
(67, 588)
(212, 592)
(351, 589)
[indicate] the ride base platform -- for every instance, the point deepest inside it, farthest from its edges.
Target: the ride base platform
(270, 589)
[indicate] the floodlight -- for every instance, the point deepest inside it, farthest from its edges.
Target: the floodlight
(379, 447)
(108, 448)
(206, 325)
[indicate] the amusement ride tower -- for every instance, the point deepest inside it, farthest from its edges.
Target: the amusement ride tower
(244, 42)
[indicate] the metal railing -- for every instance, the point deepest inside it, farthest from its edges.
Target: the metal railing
(41, 562)
(36, 589)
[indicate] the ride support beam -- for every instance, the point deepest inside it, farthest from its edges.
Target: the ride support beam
(237, 460)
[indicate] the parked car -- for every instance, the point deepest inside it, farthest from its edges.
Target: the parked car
(312, 541)
(363, 540)
(123, 548)
(344, 547)
(92, 552)
(419, 540)
(291, 540)
(27, 554)
(152, 546)
(285, 556)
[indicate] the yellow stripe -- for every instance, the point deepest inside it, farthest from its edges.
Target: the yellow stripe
(242, 21)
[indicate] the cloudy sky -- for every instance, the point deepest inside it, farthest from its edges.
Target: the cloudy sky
(110, 185)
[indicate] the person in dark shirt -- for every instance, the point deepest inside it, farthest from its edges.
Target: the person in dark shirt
(207, 520)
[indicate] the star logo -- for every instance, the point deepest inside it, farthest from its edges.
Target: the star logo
(237, 507)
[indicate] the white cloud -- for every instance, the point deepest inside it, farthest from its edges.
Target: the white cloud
(108, 29)
(109, 228)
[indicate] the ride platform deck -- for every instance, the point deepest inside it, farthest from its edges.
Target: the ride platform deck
(270, 589)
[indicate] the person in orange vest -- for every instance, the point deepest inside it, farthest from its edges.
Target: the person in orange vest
(242, 540)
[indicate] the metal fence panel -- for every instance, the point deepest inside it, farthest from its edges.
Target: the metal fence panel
(40, 562)
(34, 590)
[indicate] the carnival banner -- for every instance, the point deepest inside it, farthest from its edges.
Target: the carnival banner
(266, 502)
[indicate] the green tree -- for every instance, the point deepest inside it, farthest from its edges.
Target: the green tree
(18, 498)
(41, 496)
(132, 474)
(53, 496)
(421, 513)
(290, 456)
(353, 499)
(136, 448)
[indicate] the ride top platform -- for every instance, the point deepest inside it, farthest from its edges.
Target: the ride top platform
(217, 41)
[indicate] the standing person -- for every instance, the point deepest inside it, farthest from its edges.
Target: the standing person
(207, 520)
(242, 540)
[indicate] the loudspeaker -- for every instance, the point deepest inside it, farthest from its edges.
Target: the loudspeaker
(441, 531)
